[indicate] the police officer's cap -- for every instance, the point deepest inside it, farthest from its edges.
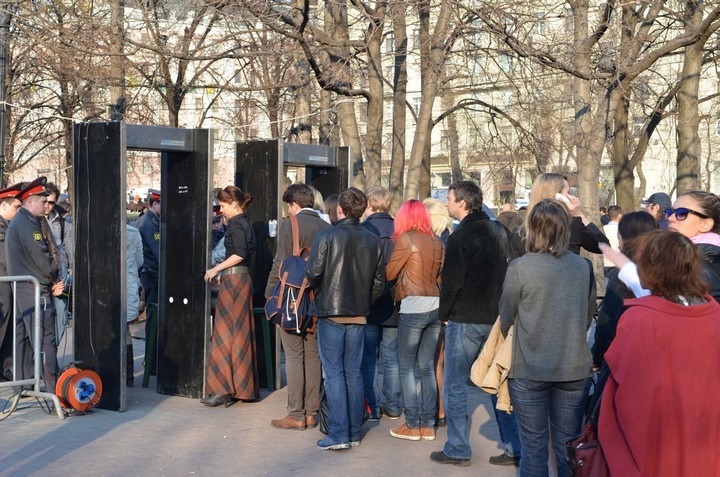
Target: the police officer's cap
(154, 193)
(12, 191)
(36, 187)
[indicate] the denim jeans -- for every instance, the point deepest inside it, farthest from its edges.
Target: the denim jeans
(60, 317)
(417, 340)
(508, 426)
(341, 348)
(533, 403)
(369, 365)
(463, 342)
(391, 395)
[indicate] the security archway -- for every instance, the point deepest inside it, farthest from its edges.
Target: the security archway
(99, 182)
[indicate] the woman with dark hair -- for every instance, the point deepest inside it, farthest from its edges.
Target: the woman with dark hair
(631, 226)
(231, 370)
(549, 295)
(659, 415)
(331, 205)
(696, 215)
(415, 263)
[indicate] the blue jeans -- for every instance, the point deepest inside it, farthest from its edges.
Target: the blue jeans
(417, 340)
(533, 403)
(391, 395)
(463, 342)
(369, 365)
(341, 348)
(508, 426)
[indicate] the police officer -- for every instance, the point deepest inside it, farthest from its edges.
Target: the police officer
(149, 227)
(28, 253)
(9, 205)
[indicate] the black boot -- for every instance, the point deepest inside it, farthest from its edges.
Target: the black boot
(129, 363)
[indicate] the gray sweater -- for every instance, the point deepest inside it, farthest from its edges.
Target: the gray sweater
(551, 302)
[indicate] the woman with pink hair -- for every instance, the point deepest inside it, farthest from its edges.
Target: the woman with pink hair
(415, 263)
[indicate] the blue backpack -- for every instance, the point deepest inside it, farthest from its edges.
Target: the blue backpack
(290, 298)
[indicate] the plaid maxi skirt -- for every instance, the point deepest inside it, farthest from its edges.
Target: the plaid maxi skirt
(232, 367)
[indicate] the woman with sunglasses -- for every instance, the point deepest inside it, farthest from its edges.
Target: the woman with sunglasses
(696, 215)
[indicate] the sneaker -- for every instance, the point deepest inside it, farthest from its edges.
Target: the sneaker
(404, 432)
(328, 444)
(441, 458)
(441, 422)
(354, 443)
(390, 414)
(373, 416)
(504, 459)
(427, 433)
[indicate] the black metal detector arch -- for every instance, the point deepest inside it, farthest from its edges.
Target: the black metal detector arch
(259, 170)
(100, 288)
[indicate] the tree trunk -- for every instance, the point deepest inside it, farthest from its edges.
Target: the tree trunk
(374, 128)
(117, 61)
(622, 168)
(397, 163)
(689, 148)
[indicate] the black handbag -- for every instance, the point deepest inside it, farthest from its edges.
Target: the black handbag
(583, 453)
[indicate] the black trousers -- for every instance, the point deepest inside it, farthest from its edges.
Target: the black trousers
(6, 330)
(24, 336)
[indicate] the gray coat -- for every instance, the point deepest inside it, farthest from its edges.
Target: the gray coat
(134, 262)
(551, 302)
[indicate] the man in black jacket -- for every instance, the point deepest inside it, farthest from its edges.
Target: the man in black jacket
(347, 272)
(302, 361)
(472, 280)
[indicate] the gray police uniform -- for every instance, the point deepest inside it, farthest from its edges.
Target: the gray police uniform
(6, 328)
(28, 254)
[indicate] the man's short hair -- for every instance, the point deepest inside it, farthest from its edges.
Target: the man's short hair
(378, 198)
(614, 211)
(152, 200)
(301, 194)
(51, 188)
(470, 193)
(353, 202)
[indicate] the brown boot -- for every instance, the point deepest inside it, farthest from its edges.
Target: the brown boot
(311, 422)
(289, 422)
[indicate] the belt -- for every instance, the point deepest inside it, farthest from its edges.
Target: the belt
(236, 269)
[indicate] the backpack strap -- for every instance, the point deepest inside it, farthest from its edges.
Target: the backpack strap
(295, 235)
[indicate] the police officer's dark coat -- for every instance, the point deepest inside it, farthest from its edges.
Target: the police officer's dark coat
(27, 251)
(149, 227)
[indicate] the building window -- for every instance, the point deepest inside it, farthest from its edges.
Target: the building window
(539, 27)
(199, 103)
(445, 140)
(416, 38)
(388, 109)
(506, 62)
(390, 43)
(417, 101)
(238, 78)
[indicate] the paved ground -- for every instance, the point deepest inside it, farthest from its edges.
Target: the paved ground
(163, 435)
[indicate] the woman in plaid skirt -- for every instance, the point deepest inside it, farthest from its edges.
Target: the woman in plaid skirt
(232, 371)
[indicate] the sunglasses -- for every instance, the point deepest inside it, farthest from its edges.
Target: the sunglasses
(681, 213)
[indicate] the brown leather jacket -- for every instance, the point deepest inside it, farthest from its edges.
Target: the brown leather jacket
(416, 262)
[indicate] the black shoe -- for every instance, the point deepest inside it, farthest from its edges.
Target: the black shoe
(215, 399)
(390, 415)
(504, 459)
(441, 458)
(441, 422)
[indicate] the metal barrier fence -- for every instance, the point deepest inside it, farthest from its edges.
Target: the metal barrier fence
(37, 348)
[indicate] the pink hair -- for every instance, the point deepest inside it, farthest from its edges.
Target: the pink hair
(412, 216)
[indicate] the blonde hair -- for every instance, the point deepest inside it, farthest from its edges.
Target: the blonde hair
(546, 185)
(318, 202)
(439, 215)
(378, 198)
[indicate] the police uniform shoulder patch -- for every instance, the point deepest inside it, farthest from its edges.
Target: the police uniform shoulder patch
(156, 236)
(37, 236)
(2, 236)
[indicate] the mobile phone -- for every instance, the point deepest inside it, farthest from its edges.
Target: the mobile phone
(562, 198)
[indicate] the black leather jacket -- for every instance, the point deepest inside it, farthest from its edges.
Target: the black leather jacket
(711, 267)
(346, 269)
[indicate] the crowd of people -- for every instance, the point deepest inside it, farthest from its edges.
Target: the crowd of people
(414, 299)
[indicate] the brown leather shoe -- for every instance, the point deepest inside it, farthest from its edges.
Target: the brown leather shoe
(289, 423)
(311, 422)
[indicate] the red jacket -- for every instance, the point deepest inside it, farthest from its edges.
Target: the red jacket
(660, 414)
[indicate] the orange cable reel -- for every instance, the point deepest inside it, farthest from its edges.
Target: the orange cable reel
(79, 389)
